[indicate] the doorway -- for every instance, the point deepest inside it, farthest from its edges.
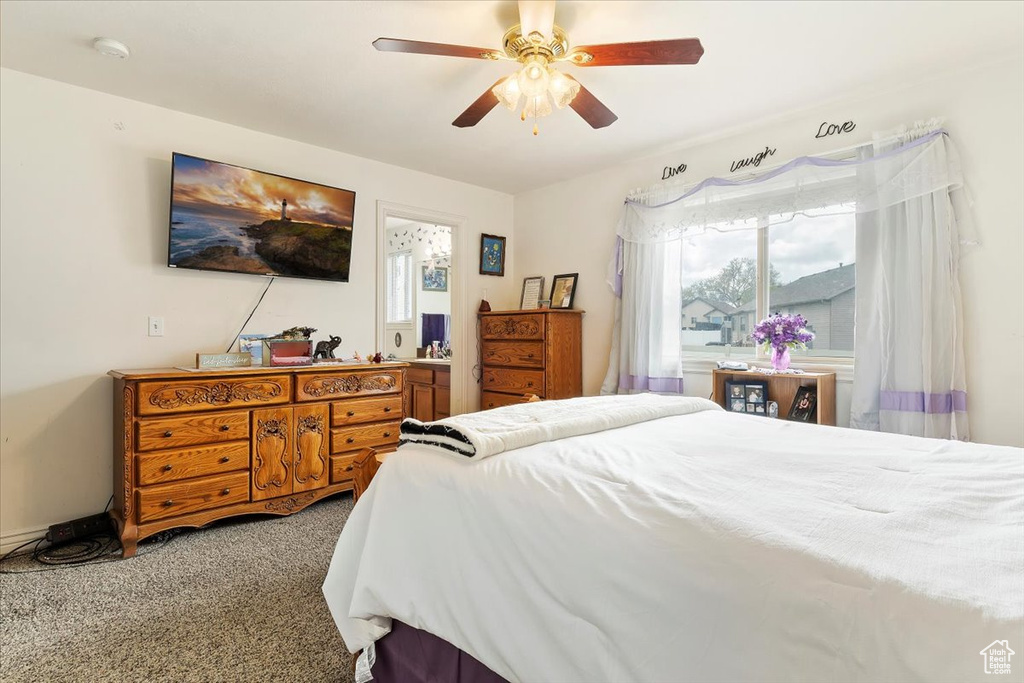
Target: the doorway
(420, 290)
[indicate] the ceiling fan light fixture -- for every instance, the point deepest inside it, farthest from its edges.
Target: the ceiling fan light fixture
(563, 89)
(533, 77)
(537, 106)
(508, 92)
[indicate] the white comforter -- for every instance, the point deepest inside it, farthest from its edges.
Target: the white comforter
(704, 547)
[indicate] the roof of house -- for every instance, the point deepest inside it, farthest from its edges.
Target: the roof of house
(722, 306)
(823, 286)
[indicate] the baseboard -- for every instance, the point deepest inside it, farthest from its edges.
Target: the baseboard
(9, 542)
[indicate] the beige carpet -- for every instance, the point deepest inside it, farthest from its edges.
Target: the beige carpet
(238, 601)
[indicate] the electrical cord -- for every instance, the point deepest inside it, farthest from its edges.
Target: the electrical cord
(251, 314)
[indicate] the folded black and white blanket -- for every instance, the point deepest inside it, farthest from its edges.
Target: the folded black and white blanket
(486, 433)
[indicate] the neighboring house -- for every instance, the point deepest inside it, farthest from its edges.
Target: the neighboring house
(825, 299)
(707, 315)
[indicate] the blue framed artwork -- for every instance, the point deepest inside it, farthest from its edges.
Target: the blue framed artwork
(435, 279)
(492, 255)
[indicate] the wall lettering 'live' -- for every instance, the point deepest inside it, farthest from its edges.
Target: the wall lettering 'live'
(826, 128)
(752, 161)
(671, 171)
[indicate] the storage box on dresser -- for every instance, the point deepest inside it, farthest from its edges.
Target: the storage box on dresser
(190, 448)
(536, 352)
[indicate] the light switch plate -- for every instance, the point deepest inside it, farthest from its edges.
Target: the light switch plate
(156, 326)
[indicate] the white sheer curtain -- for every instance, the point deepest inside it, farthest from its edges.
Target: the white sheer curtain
(909, 354)
(909, 375)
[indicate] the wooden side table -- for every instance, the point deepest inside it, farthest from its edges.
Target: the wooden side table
(782, 389)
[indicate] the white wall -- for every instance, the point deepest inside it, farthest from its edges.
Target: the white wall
(570, 226)
(83, 248)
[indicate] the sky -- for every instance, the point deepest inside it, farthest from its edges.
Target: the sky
(796, 248)
(250, 196)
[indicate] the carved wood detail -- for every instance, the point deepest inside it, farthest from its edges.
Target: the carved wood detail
(512, 327)
(350, 384)
(129, 404)
(310, 447)
(269, 451)
(178, 395)
(291, 503)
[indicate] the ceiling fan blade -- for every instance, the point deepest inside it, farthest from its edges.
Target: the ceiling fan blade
(536, 16)
(591, 109)
(680, 51)
(479, 109)
(442, 49)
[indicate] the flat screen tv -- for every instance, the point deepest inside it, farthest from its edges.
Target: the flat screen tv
(237, 220)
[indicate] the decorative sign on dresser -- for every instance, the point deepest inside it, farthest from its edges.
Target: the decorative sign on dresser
(191, 447)
(527, 353)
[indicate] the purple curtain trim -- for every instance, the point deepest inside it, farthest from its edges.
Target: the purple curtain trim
(799, 161)
(666, 385)
(920, 402)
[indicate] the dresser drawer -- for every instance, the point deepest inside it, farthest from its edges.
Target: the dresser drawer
(366, 410)
(490, 399)
(193, 395)
(363, 436)
(170, 500)
(512, 326)
(515, 353)
(317, 386)
(184, 463)
(192, 430)
(514, 380)
(341, 468)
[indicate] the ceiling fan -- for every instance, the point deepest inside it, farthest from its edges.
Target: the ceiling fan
(537, 44)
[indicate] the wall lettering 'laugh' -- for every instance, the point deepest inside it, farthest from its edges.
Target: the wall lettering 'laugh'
(754, 161)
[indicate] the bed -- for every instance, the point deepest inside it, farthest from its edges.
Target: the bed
(696, 546)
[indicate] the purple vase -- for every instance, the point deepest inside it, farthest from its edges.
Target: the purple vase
(780, 358)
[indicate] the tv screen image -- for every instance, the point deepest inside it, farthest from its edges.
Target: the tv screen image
(234, 219)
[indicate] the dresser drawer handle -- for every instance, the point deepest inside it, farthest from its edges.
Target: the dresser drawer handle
(168, 503)
(168, 434)
(225, 428)
(349, 440)
(349, 468)
(350, 413)
(387, 409)
(167, 468)
(387, 433)
(225, 492)
(529, 355)
(529, 384)
(225, 459)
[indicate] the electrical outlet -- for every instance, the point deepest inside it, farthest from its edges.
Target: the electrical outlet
(156, 326)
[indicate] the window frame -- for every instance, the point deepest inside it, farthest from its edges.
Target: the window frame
(409, 284)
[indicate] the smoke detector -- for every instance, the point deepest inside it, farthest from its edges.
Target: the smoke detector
(111, 48)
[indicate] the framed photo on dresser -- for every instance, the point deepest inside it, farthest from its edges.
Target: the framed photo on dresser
(563, 290)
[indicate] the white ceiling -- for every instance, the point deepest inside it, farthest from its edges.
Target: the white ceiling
(307, 71)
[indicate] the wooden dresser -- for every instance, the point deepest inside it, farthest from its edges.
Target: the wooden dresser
(428, 390)
(530, 352)
(194, 447)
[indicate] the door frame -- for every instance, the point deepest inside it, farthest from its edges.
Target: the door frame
(462, 345)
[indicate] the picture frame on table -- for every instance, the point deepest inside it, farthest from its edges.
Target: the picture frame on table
(492, 255)
(434, 279)
(533, 289)
(563, 290)
(805, 403)
(745, 396)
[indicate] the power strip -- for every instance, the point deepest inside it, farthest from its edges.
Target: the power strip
(93, 525)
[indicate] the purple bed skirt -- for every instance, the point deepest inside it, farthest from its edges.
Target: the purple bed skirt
(409, 655)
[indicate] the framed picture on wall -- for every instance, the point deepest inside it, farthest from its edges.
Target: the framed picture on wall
(492, 255)
(563, 290)
(435, 279)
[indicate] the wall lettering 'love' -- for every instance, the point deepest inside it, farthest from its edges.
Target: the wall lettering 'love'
(752, 161)
(670, 171)
(826, 128)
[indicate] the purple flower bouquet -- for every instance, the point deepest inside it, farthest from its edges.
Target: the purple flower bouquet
(780, 333)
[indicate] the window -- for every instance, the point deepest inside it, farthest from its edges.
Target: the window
(805, 264)
(399, 283)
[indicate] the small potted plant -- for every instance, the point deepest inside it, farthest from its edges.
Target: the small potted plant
(780, 333)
